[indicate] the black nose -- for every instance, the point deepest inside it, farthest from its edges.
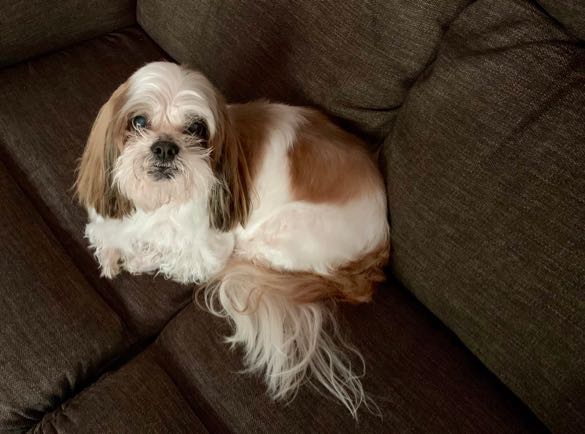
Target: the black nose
(164, 151)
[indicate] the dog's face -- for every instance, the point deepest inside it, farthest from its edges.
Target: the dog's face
(163, 138)
(169, 118)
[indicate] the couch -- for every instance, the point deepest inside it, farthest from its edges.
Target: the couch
(477, 112)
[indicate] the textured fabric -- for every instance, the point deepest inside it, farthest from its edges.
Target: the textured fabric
(56, 334)
(53, 101)
(353, 59)
(138, 398)
(571, 13)
(421, 377)
(486, 179)
(31, 27)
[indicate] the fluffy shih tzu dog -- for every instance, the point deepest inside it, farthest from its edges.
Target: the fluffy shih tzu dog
(272, 209)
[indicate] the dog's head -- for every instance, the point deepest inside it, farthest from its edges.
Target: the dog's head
(164, 137)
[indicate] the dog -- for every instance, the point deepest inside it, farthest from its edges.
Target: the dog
(277, 213)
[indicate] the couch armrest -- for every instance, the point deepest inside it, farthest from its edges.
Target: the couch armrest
(32, 27)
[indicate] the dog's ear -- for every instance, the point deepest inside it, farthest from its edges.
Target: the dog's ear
(229, 201)
(94, 185)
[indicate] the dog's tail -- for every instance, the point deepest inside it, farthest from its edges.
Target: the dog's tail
(287, 327)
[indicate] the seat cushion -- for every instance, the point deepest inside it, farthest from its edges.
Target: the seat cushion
(52, 102)
(419, 374)
(354, 59)
(486, 186)
(56, 333)
(139, 397)
(32, 27)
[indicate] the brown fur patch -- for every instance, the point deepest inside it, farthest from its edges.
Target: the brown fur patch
(328, 164)
(94, 184)
(353, 283)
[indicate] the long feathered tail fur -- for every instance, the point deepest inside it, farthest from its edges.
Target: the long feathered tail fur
(286, 324)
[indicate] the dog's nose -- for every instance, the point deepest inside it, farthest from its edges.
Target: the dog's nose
(164, 151)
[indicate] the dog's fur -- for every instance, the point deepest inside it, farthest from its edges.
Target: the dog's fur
(274, 209)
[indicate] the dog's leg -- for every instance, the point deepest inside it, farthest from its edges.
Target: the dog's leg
(107, 256)
(139, 263)
(197, 256)
(107, 243)
(307, 237)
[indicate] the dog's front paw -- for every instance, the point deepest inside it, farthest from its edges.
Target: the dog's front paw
(109, 260)
(137, 264)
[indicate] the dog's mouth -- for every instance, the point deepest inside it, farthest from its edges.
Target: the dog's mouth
(162, 171)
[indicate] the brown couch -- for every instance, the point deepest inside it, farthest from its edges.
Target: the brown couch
(479, 109)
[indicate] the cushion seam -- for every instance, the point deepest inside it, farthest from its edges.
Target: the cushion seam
(14, 170)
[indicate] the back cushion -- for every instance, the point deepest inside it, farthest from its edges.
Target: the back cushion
(353, 59)
(32, 27)
(486, 177)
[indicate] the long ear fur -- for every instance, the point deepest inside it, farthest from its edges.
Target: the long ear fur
(229, 202)
(94, 184)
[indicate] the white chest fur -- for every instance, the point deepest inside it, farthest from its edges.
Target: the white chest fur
(173, 240)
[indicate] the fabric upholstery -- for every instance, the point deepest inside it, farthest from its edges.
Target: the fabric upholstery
(56, 333)
(137, 398)
(354, 59)
(420, 376)
(486, 186)
(53, 102)
(473, 146)
(32, 27)
(570, 13)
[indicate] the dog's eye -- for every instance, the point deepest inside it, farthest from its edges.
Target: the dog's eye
(198, 128)
(139, 122)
